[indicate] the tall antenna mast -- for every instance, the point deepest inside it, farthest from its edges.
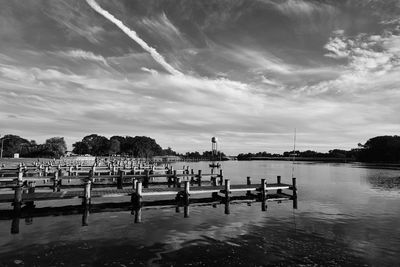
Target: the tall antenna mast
(294, 152)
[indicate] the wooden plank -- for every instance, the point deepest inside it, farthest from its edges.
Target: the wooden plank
(146, 192)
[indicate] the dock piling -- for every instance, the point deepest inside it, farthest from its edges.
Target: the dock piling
(263, 194)
(17, 209)
(294, 188)
(227, 198)
(186, 199)
(137, 202)
(199, 178)
(120, 179)
(55, 182)
(248, 193)
(278, 181)
(146, 179)
(31, 190)
(86, 192)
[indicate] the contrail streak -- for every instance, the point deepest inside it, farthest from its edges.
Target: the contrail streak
(132, 34)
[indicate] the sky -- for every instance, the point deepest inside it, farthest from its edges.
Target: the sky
(249, 72)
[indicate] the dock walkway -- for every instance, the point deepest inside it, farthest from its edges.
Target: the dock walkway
(96, 193)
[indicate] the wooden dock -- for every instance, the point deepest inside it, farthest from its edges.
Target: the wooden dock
(71, 194)
(145, 187)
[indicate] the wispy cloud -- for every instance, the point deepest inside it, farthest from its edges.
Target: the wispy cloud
(81, 54)
(132, 34)
(70, 16)
(153, 72)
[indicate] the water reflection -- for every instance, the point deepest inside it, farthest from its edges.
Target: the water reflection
(342, 220)
(384, 183)
(29, 211)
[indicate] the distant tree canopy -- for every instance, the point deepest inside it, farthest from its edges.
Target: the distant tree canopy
(56, 147)
(14, 144)
(206, 155)
(381, 149)
(332, 154)
(377, 149)
(53, 147)
(138, 146)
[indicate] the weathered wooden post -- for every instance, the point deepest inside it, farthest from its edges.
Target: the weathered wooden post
(86, 192)
(17, 209)
(192, 176)
(248, 192)
(120, 179)
(46, 170)
(31, 191)
(199, 178)
(20, 176)
(227, 198)
(263, 194)
(294, 188)
(221, 177)
(169, 179)
(213, 181)
(278, 181)
(186, 199)
(70, 171)
(134, 182)
(137, 202)
(55, 182)
(40, 170)
(85, 215)
(17, 196)
(175, 178)
(146, 178)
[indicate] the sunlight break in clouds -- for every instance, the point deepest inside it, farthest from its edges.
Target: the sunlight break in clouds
(132, 34)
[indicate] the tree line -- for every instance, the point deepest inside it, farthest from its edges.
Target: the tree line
(377, 149)
(380, 149)
(138, 146)
(206, 155)
(54, 147)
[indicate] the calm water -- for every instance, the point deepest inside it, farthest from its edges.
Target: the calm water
(348, 215)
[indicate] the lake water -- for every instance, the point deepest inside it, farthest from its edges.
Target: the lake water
(348, 215)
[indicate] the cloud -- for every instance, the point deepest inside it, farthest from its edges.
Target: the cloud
(132, 34)
(301, 8)
(373, 64)
(70, 16)
(165, 31)
(153, 72)
(337, 46)
(81, 54)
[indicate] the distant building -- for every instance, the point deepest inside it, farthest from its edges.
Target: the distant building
(16, 156)
(69, 154)
(166, 158)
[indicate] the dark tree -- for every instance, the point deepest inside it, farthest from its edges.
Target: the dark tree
(142, 147)
(381, 149)
(14, 144)
(56, 147)
(115, 147)
(98, 145)
(81, 148)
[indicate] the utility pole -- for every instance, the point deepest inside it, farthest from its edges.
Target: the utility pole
(1, 151)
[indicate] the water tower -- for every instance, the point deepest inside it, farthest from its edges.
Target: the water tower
(214, 147)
